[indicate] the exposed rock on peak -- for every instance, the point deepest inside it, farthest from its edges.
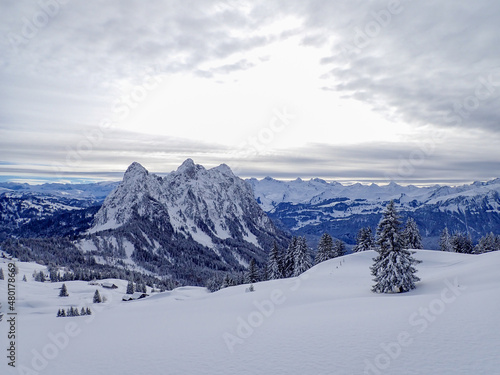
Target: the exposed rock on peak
(191, 217)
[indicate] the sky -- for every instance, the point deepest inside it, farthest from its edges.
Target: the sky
(345, 90)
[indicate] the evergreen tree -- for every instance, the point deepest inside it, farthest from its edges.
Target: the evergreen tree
(252, 274)
(274, 270)
(488, 243)
(325, 249)
(412, 235)
(130, 287)
(1, 274)
(214, 283)
(97, 297)
(89, 312)
(141, 288)
(301, 258)
(364, 240)
(59, 313)
(83, 311)
(288, 260)
(461, 243)
(24, 278)
(63, 312)
(70, 311)
(75, 312)
(445, 240)
(227, 282)
(64, 291)
(339, 249)
(393, 267)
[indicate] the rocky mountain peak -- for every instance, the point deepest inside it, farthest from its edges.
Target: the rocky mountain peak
(134, 172)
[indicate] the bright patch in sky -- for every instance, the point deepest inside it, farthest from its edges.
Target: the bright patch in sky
(230, 108)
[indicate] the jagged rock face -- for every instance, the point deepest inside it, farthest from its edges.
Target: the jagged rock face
(193, 217)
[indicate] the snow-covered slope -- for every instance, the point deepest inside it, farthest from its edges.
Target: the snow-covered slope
(191, 217)
(324, 322)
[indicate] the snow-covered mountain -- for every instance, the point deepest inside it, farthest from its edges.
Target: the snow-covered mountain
(182, 225)
(316, 206)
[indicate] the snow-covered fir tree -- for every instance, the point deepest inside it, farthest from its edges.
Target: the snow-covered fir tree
(412, 235)
(445, 240)
(227, 282)
(130, 287)
(64, 291)
(288, 260)
(274, 270)
(393, 268)
(88, 311)
(301, 258)
(339, 248)
(141, 288)
(488, 243)
(252, 274)
(83, 311)
(325, 249)
(461, 243)
(364, 240)
(97, 297)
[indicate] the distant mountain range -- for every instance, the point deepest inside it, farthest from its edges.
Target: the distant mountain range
(196, 222)
(316, 206)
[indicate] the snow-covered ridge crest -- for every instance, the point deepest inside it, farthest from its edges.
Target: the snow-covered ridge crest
(204, 204)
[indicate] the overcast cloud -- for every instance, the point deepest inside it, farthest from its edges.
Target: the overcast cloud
(431, 69)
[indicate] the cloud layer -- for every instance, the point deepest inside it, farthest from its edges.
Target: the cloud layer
(432, 66)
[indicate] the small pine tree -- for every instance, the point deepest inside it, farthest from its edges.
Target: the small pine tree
(461, 243)
(75, 312)
(58, 313)
(274, 269)
(97, 297)
(63, 312)
(364, 240)
(24, 278)
(70, 311)
(339, 249)
(445, 240)
(130, 287)
(83, 311)
(412, 235)
(227, 282)
(214, 283)
(393, 267)
(64, 291)
(89, 312)
(325, 249)
(488, 243)
(301, 259)
(252, 274)
(288, 261)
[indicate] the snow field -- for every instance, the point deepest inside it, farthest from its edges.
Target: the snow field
(327, 321)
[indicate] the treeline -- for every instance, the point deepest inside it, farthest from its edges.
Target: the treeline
(462, 243)
(60, 254)
(283, 263)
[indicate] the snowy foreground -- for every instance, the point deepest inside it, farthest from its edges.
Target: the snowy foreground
(325, 322)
